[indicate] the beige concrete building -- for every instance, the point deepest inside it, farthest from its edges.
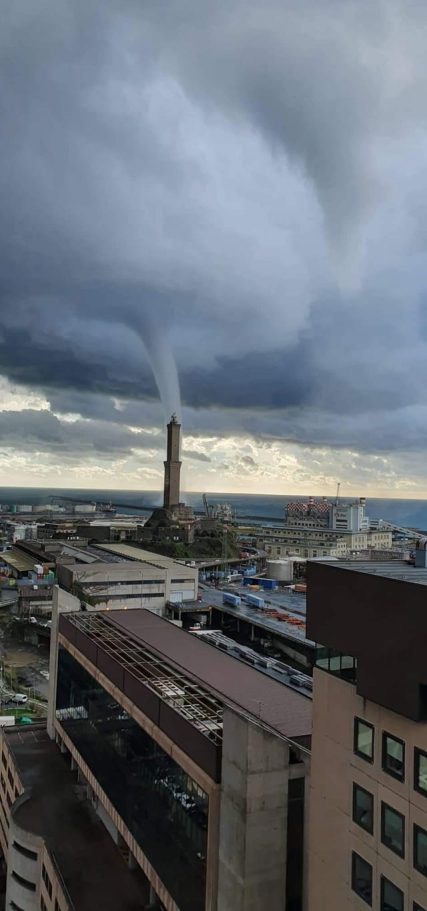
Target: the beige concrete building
(112, 576)
(368, 789)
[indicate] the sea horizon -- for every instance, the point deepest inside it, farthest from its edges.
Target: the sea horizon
(407, 512)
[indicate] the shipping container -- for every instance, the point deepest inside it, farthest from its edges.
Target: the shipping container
(229, 598)
(254, 601)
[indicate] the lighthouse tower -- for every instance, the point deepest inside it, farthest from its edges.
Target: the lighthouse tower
(172, 465)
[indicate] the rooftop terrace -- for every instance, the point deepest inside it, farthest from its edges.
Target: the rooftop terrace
(165, 669)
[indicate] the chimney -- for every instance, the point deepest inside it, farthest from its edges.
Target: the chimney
(172, 465)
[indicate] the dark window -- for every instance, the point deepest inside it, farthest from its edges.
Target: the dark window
(57, 905)
(25, 883)
(417, 907)
(363, 808)
(364, 739)
(10, 776)
(391, 896)
(47, 881)
(25, 851)
(3, 759)
(361, 878)
(393, 756)
(43, 904)
(420, 850)
(420, 771)
(3, 783)
(393, 829)
(14, 907)
(157, 800)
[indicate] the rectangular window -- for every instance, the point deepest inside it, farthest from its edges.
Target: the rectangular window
(361, 878)
(393, 756)
(364, 739)
(363, 808)
(420, 771)
(393, 829)
(391, 897)
(420, 850)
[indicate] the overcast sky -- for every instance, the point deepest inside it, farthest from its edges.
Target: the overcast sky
(228, 196)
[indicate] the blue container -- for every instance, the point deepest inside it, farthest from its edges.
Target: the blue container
(254, 601)
(268, 583)
(229, 598)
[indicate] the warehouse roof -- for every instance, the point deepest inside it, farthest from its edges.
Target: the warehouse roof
(131, 552)
(17, 560)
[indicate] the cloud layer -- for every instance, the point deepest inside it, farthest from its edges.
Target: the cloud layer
(235, 188)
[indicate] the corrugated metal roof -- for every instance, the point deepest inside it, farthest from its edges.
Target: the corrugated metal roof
(273, 703)
(18, 560)
(146, 556)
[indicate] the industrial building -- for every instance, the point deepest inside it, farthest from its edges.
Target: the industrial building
(321, 513)
(118, 575)
(368, 787)
(185, 763)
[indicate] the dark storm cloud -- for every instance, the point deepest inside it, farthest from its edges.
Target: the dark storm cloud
(42, 431)
(226, 178)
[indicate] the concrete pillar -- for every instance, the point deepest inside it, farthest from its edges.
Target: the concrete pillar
(253, 818)
(62, 602)
(306, 834)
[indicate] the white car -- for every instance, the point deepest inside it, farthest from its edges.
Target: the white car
(20, 698)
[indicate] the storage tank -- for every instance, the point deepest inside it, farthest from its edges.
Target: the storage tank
(281, 570)
(84, 508)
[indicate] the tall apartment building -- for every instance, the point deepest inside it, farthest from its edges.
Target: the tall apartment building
(368, 794)
(166, 763)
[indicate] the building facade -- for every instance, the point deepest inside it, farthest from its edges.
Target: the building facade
(368, 794)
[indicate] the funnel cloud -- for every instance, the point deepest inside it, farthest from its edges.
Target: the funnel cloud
(226, 198)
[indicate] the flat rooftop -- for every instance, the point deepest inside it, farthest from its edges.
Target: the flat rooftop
(390, 569)
(92, 869)
(191, 676)
(129, 552)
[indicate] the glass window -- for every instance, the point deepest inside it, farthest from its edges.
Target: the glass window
(391, 897)
(393, 756)
(158, 801)
(417, 907)
(393, 829)
(420, 850)
(363, 808)
(364, 739)
(361, 878)
(420, 771)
